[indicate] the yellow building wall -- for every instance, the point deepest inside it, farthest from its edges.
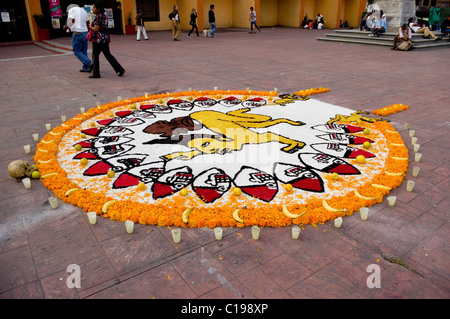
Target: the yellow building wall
(241, 13)
(331, 11)
(33, 7)
(268, 13)
(309, 9)
(288, 13)
(352, 11)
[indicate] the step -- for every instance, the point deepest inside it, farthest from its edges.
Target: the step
(355, 41)
(420, 45)
(391, 34)
(380, 38)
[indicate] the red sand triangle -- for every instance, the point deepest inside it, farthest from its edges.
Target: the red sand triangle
(100, 168)
(344, 169)
(361, 140)
(105, 121)
(207, 194)
(262, 192)
(364, 153)
(309, 184)
(161, 190)
(354, 129)
(87, 155)
(123, 113)
(85, 144)
(126, 180)
(92, 131)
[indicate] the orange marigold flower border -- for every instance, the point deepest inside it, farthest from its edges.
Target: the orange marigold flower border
(391, 109)
(55, 179)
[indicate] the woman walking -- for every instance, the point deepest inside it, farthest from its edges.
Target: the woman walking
(193, 22)
(99, 36)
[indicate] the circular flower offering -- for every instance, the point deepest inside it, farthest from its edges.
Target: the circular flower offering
(222, 158)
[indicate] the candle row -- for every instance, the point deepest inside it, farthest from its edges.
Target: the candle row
(364, 211)
(176, 232)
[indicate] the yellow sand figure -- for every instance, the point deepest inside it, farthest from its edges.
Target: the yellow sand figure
(353, 117)
(289, 98)
(233, 129)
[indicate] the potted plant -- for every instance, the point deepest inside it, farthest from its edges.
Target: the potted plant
(130, 28)
(43, 31)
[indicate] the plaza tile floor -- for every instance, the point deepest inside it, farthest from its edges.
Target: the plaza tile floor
(409, 242)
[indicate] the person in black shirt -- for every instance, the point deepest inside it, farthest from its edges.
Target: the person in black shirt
(140, 26)
(193, 22)
(212, 21)
(445, 26)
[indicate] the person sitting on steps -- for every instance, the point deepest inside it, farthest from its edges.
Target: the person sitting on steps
(416, 28)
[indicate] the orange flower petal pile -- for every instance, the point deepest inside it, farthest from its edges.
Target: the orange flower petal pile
(168, 212)
(391, 109)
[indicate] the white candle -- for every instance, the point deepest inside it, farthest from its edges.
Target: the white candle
(391, 200)
(338, 222)
(218, 233)
(27, 148)
(190, 89)
(411, 133)
(418, 157)
(416, 170)
(255, 232)
(364, 212)
(416, 147)
(296, 232)
(410, 186)
(215, 88)
(82, 109)
(53, 202)
(275, 89)
(35, 137)
(406, 126)
(48, 126)
(129, 225)
(119, 98)
(92, 217)
(63, 118)
(413, 140)
(26, 182)
(176, 235)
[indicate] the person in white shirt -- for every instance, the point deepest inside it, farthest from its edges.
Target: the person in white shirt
(253, 20)
(404, 35)
(425, 30)
(77, 22)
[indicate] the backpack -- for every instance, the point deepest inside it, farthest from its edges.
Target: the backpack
(170, 16)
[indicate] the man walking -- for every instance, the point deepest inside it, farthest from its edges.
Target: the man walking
(212, 21)
(176, 27)
(253, 20)
(77, 22)
(140, 26)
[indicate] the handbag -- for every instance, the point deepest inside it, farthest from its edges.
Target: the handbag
(404, 46)
(93, 36)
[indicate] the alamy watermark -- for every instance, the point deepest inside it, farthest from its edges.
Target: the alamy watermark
(74, 279)
(374, 279)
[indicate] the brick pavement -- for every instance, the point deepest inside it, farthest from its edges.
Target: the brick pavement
(38, 243)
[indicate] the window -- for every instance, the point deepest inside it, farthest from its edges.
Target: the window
(150, 9)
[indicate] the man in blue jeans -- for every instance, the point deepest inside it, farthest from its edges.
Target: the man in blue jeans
(77, 20)
(212, 21)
